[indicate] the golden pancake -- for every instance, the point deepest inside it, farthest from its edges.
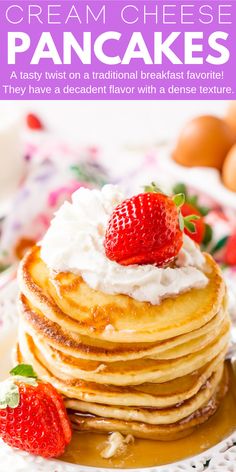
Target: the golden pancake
(92, 423)
(146, 395)
(132, 372)
(87, 348)
(155, 371)
(168, 432)
(70, 302)
(151, 415)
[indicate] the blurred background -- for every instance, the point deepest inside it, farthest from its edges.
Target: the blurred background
(112, 123)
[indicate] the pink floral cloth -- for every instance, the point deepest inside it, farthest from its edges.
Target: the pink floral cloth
(53, 171)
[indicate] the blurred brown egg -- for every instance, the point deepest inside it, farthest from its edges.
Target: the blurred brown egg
(231, 115)
(229, 170)
(205, 141)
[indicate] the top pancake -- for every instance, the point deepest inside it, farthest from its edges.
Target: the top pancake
(67, 300)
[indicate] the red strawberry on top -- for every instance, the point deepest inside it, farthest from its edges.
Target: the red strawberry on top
(198, 234)
(146, 229)
(32, 414)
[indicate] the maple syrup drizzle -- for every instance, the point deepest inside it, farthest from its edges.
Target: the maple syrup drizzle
(85, 448)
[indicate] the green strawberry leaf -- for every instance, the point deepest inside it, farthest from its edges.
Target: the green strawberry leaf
(188, 222)
(203, 210)
(191, 218)
(220, 244)
(193, 200)
(152, 188)
(207, 235)
(9, 389)
(190, 226)
(179, 199)
(9, 394)
(14, 398)
(24, 370)
(84, 173)
(180, 188)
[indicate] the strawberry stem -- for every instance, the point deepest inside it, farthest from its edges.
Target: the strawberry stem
(179, 199)
(190, 226)
(188, 222)
(152, 188)
(191, 218)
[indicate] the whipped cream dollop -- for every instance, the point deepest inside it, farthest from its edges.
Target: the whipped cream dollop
(74, 243)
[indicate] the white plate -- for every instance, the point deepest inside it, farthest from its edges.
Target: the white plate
(220, 458)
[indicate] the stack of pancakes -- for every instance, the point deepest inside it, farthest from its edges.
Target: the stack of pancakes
(154, 371)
